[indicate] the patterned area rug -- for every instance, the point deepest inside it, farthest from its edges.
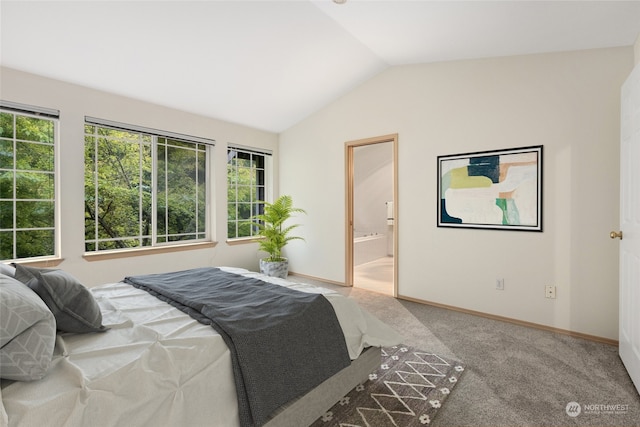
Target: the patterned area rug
(407, 390)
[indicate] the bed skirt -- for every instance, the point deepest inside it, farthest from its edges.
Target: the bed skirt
(308, 408)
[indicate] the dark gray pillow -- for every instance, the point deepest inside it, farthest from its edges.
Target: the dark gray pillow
(70, 301)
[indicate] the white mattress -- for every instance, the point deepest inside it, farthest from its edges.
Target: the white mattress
(155, 366)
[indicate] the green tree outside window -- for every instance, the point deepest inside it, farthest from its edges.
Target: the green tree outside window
(142, 190)
(27, 186)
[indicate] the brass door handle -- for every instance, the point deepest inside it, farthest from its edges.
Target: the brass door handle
(616, 234)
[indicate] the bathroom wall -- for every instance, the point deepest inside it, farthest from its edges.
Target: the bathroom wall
(372, 187)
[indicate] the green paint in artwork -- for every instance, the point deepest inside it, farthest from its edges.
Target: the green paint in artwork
(460, 179)
(502, 204)
(510, 214)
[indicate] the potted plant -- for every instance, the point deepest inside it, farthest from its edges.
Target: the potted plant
(275, 235)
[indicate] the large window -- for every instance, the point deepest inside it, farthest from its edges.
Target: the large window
(246, 189)
(143, 188)
(27, 182)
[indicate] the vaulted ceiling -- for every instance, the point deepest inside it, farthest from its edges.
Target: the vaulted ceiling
(269, 64)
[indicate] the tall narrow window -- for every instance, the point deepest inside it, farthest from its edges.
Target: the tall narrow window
(246, 189)
(143, 188)
(27, 182)
(182, 191)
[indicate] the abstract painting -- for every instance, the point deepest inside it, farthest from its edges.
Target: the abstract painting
(500, 189)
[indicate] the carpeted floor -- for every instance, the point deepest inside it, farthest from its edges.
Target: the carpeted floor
(408, 389)
(514, 375)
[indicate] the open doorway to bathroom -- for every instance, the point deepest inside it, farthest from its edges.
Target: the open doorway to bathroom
(372, 220)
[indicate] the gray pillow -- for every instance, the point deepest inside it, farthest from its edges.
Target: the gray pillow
(27, 332)
(7, 270)
(70, 301)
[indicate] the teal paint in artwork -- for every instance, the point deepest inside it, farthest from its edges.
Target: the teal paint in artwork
(510, 213)
(502, 204)
(445, 217)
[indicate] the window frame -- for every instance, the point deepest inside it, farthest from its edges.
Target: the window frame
(267, 184)
(41, 113)
(157, 246)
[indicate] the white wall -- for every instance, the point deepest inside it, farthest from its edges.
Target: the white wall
(569, 102)
(74, 102)
(372, 187)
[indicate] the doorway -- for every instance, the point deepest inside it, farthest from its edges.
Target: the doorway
(371, 217)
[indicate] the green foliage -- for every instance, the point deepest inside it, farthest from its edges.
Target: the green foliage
(119, 191)
(275, 235)
(118, 188)
(117, 194)
(245, 189)
(27, 214)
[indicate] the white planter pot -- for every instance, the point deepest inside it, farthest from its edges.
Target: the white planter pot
(275, 269)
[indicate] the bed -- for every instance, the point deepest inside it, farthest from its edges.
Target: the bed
(147, 362)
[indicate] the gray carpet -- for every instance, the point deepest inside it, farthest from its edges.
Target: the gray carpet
(514, 375)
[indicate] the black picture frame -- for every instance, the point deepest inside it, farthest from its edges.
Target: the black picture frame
(496, 189)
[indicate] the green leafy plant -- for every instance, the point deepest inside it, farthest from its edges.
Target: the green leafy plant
(275, 235)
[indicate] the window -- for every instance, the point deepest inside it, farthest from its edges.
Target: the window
(27, 182)
(246, 189)
(143, 187)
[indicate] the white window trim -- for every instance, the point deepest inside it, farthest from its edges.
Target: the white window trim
(54, 116)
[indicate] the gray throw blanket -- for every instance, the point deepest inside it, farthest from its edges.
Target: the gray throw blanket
(283, 342)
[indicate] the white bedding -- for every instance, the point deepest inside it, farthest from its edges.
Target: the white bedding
(155, 366)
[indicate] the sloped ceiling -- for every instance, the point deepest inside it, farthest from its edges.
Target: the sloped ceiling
(269, 64)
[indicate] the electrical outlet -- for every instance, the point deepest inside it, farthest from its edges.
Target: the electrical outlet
(550, 291)
(500, 284)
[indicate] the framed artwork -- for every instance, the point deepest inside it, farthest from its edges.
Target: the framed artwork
(499, 189)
